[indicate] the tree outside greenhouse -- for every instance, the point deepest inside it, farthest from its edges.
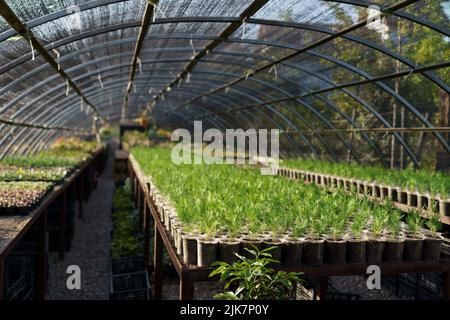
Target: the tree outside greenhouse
(251, 151)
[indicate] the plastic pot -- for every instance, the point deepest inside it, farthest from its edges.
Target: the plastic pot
(227, 249)
(291, 251)
(423, 201)
(189, 249)
(393, 249)
(179, 241)
(335, 251)
(276, 253)
(431, 250)
(376, 190)
(206, 251)
(412, 199)
(368, 189)
(444, 207)
(392, 193)
(249, 243)
(360, 185)
(412, 250)
(356, 250)
(313, 251)
(374, 249)
(402, 196)
(384, 192)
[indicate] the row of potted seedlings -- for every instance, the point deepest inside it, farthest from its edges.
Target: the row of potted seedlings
(378, 237)
(19, 198)
(15, 173)
(415, 199)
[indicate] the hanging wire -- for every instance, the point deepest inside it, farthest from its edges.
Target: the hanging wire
(188, 78)
(33, 57)
(244, 22)
(67, 87)
(100, 80)
(140, 65)
(156, 8)
(191, 42)
(58, 55)
(274, 69)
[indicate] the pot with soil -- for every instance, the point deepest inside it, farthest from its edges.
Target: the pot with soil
(335, 250)
(179, 240)
(431, 250)
(384, 192)
(402, 196)
(291, 251)
(423, 201)
(374, 248)
(412, 250)
(228, 247)
(393, 248)
(412, 198)
(313, 250)
(392, 193)
(444, 207)
(206, 251)
(189, 248)
(356, 248)
(249, 242)
(276, 244)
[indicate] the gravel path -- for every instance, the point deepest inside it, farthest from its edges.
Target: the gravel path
(90, 247)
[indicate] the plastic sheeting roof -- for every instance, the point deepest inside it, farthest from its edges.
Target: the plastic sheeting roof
(315, 69)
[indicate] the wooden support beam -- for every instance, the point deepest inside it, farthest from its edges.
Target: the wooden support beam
(62, 224)
(158, 263)
(41, 259)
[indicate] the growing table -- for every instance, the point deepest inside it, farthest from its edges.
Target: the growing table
(13, 228)
(189, 274)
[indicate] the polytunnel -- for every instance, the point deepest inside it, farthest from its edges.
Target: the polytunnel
(357, 89)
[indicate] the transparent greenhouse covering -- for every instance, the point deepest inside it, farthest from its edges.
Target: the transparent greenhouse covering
(334, 83)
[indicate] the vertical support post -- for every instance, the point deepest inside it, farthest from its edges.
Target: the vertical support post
(81, 196)
(446, 286)
(2, 279)
(146, 235)
(186, 289)
(41, 259)
(62, 224)
(157, 261)
(323, 287)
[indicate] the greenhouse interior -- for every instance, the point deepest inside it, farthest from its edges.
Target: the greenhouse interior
(224, 150)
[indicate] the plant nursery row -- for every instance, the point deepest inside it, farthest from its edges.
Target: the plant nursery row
(25, 181)
(427, 181)
(213, 211)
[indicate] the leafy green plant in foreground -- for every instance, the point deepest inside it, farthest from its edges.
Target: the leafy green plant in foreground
(253, 279)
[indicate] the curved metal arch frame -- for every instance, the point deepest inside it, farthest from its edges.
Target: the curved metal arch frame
(112, 43)
(301, 26)
(333, 62)
(80, 116)
(113, 56)
(157, 61)
(118, 84)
